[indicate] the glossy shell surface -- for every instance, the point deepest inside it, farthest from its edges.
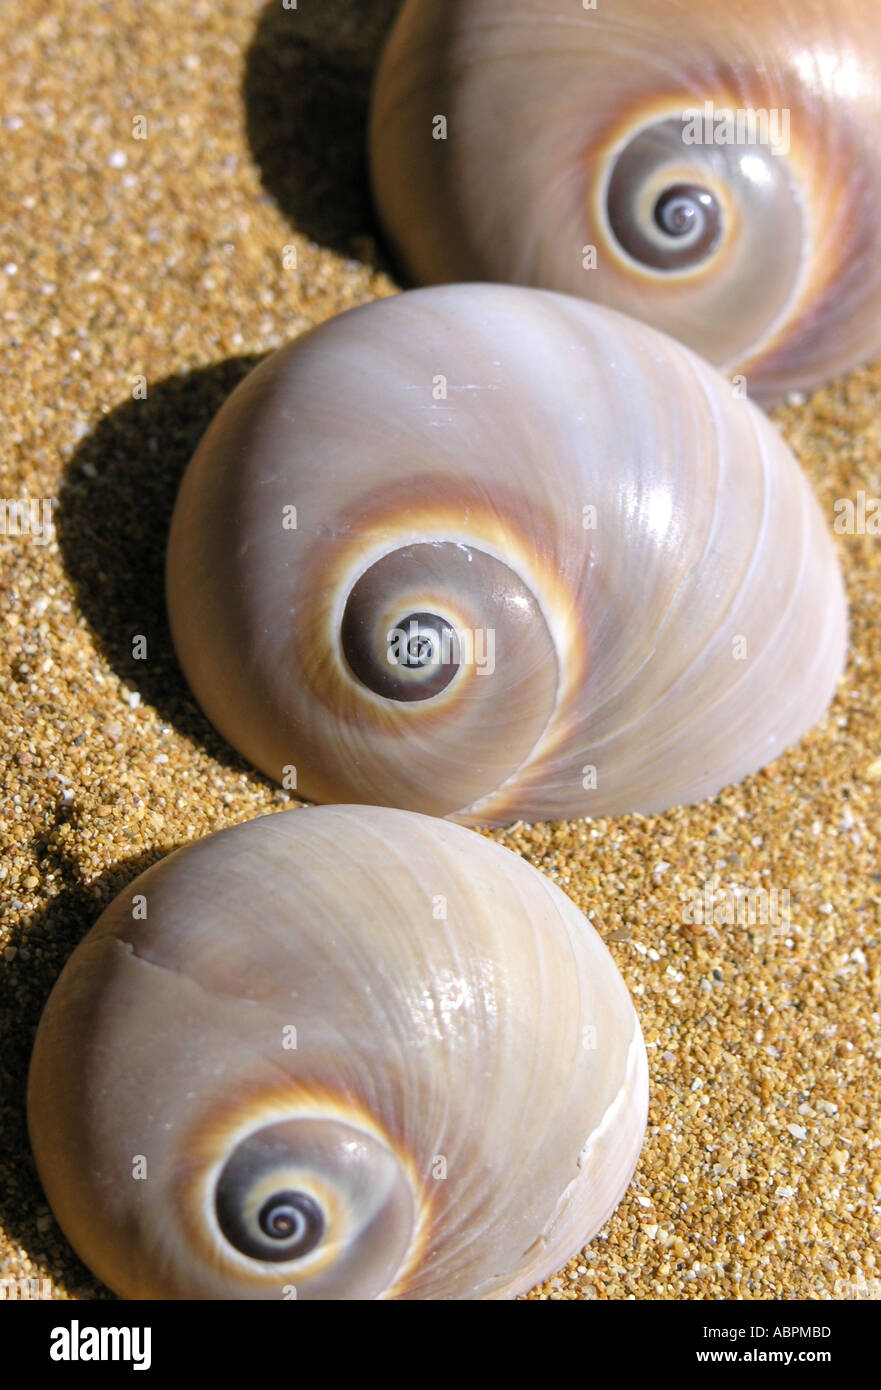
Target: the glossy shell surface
(644, 599)
(346, 1052)
(713, 169)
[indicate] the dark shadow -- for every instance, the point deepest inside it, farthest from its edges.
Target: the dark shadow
(41, 946)
(308, 74)
(112, 521)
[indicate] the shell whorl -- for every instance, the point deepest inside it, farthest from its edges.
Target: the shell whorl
(565, 126)
(462, 1107)
(638, 543)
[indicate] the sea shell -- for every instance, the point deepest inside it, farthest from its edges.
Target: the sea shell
(713, 169)
(641, 597)
(347, 1052)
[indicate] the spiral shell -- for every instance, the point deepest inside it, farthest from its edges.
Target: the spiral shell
(345, 1052)
(642, 601)
(720, 161)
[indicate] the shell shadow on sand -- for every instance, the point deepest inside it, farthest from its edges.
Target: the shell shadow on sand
(306, 91)
(112, 524)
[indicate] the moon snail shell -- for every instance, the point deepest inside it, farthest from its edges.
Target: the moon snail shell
(355, 1053)
(712, 169)
(610, 584)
